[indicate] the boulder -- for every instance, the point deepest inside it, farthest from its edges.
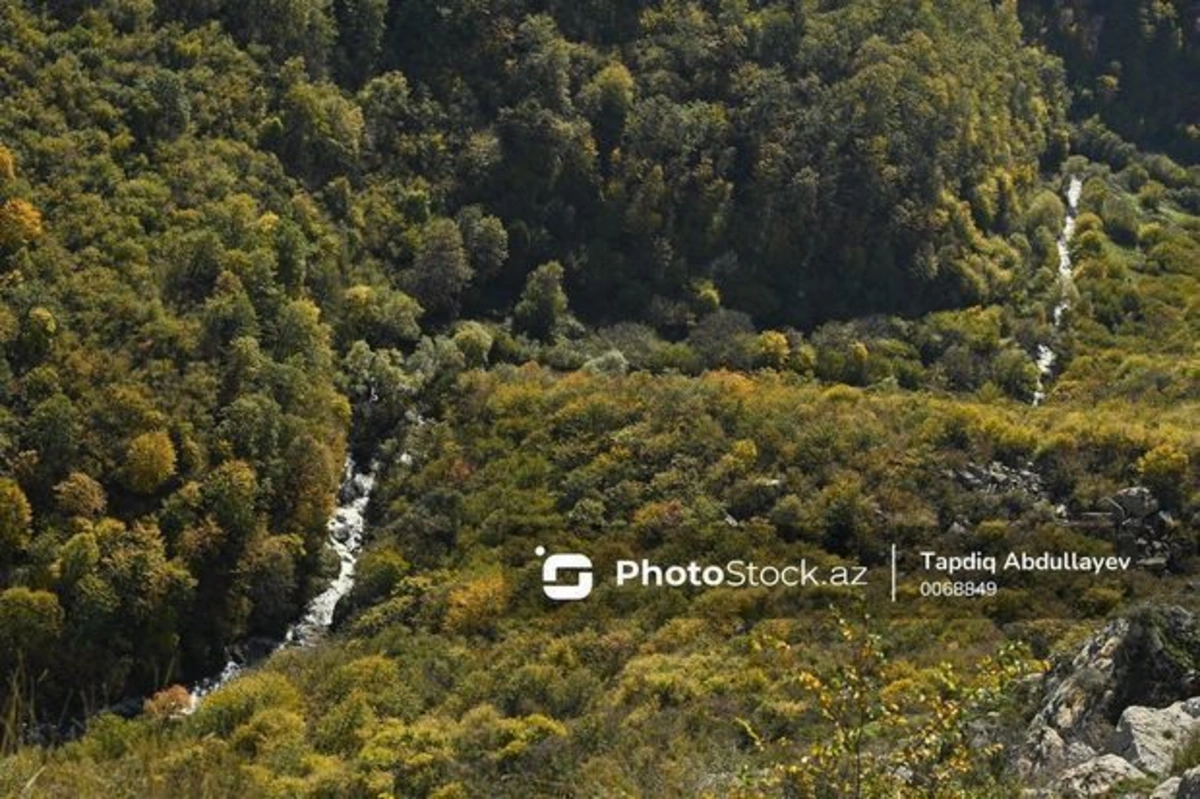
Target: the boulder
(1168, 790)
(1095, 777)
(1158, 565)
(1189, 785)
(1149, 737)
(1136, 502)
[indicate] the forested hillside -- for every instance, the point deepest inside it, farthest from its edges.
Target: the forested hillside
(1133, 64)
(673, 279)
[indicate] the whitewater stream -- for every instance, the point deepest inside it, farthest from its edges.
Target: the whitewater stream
(346, 527)
(1046, 355)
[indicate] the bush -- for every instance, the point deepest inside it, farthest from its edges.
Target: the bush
(1120, 219)
(1187, 756)
(724, 339)
(474, 342)
(235, 703)
(772, 350)
(610, 363)
(476, 606)
(1164, 470)
(1016, 373)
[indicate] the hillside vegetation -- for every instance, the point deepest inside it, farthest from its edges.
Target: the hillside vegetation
(682, 281)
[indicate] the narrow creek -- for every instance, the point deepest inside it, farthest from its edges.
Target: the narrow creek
(1046, 356)
(346, 527)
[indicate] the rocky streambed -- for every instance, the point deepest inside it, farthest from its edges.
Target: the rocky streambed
(1046, 356)
(346, 527)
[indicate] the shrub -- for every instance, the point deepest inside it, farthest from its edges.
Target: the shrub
(168, 703)
(1187, 756)
(1164, 470)
(610, 363)
(1120, 219)
(477, 605)
(224, 710)
(474, 342)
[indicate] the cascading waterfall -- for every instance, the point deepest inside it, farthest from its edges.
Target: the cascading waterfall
(346, 536)
(346, 527)
(1045, 355)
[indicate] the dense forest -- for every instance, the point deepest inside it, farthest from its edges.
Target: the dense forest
(681, 279)
(1133, 64)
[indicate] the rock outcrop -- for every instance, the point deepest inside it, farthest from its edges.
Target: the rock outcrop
(996, 478)
(1168, 790)
(1188, 787)
(1120, 709)
(1095, 777)
(1138, 528)
(1078, 694)
(1149, 738)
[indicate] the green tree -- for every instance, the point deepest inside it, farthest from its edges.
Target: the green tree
(361, 25)
(608, 99)
(320, 132)
(38, 332)
(54, 431)
(30, 625)
(379, 316)
(269, 572)
(441, 269)
(543, 303)
(290, 28)
(161, 106)
(302, 335)
(485, 240)
(474, 342)
(228, 314)
(230, 494)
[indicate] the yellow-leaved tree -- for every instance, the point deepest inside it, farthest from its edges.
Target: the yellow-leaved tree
(20, 223)
(149, 462)
(15, 518)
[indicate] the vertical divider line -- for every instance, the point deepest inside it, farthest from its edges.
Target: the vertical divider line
(893, 573)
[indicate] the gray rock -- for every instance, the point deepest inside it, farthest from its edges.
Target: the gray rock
(1149, 737)
(1079, 752)
(1077, 696)
(1168, 790)
(1147, 661)
(1136, 502)
(1189, 785)
(1095, 520)
(1095, 777)
(996, 478)
(1044, 752)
